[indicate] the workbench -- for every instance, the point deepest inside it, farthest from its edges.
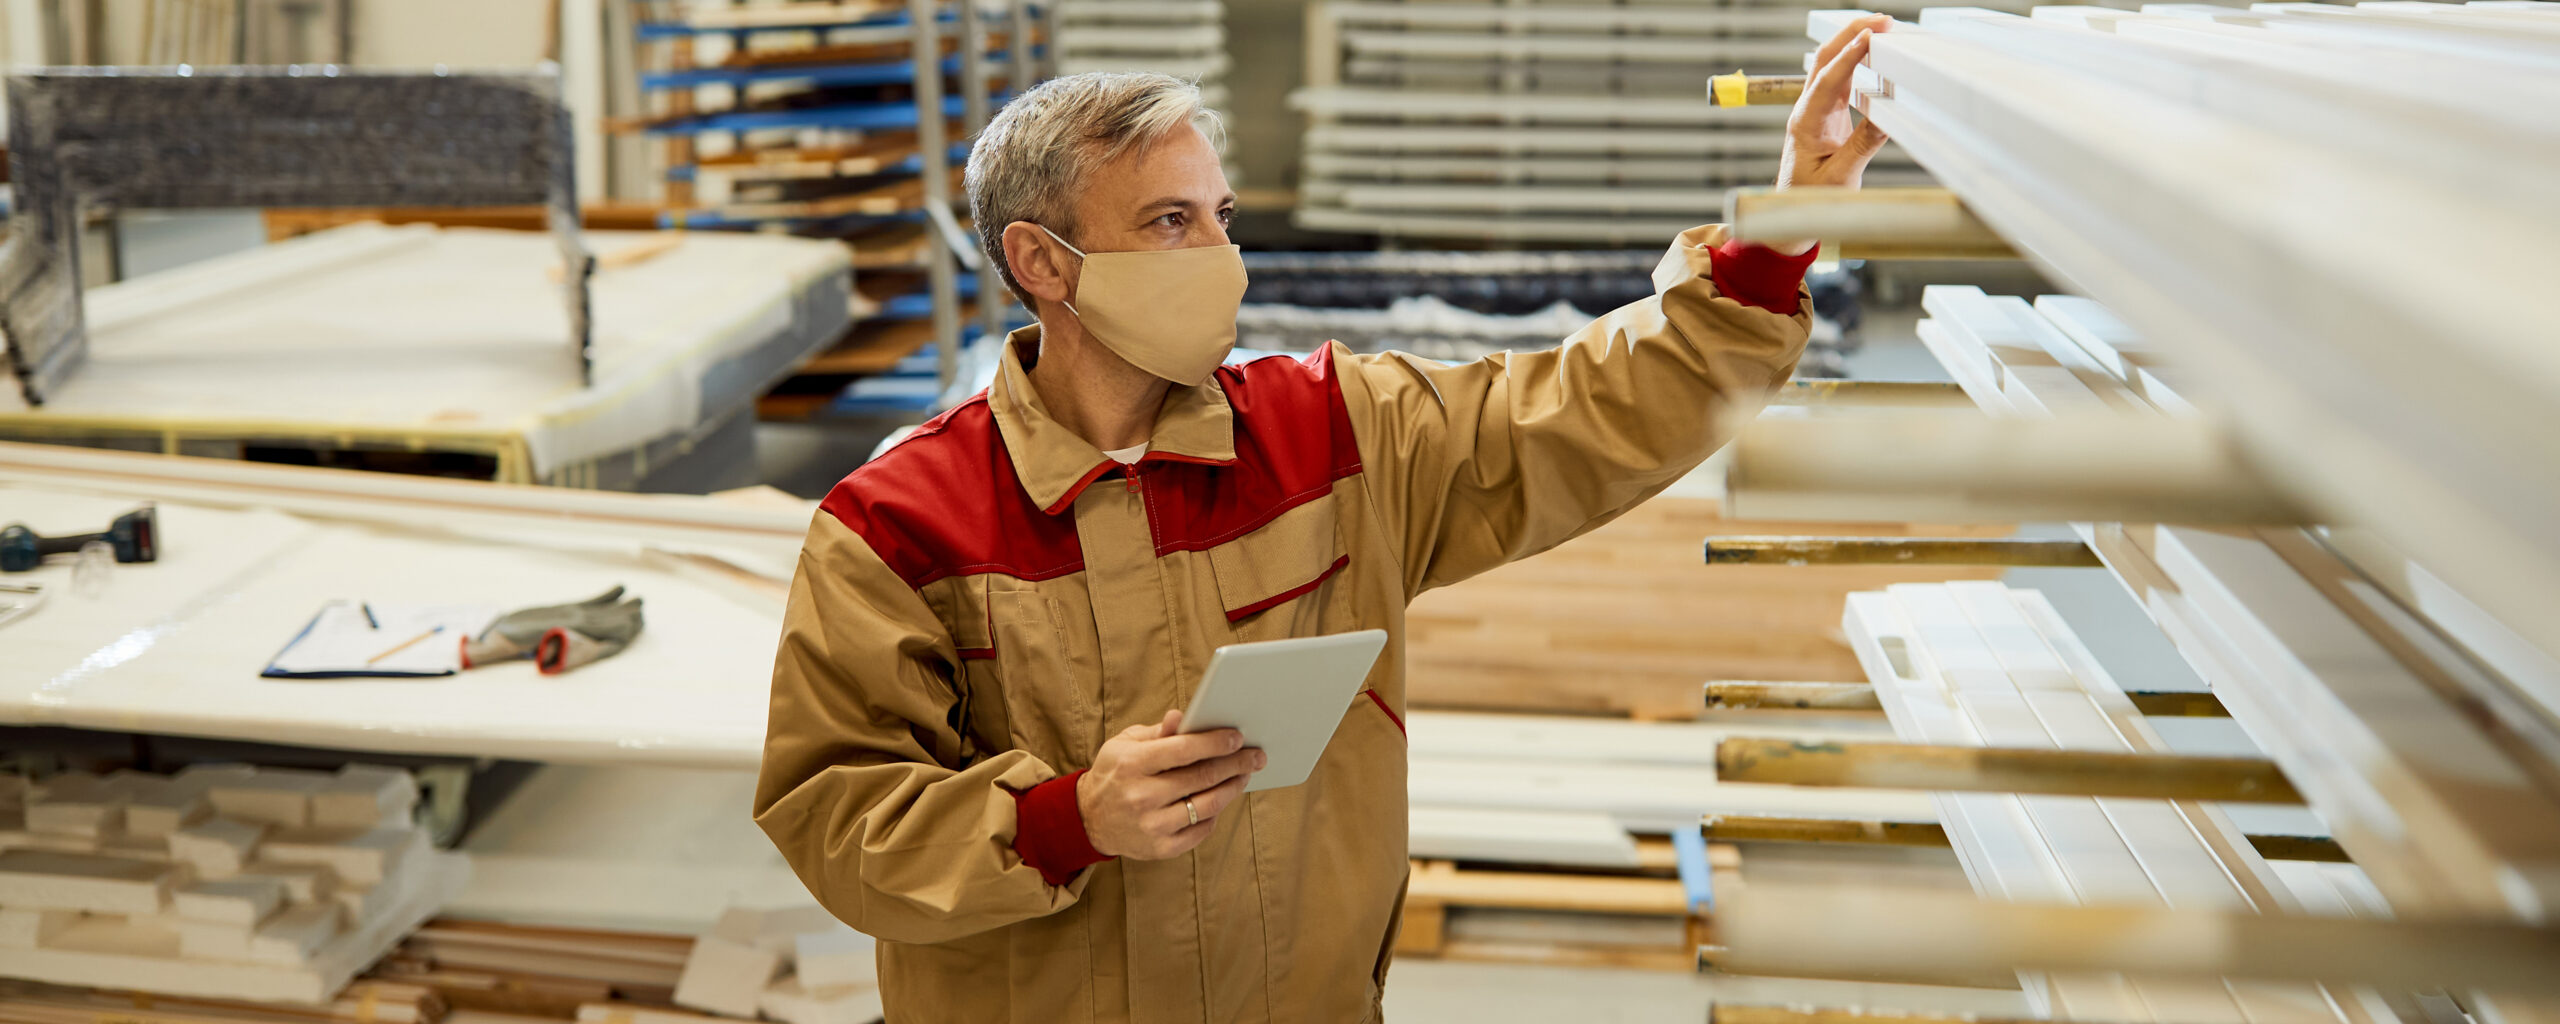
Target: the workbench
(449, 341)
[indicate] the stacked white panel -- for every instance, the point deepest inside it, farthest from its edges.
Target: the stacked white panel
(1541, 120)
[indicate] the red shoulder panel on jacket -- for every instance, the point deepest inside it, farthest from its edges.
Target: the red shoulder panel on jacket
(945, 502)
(1293, 440)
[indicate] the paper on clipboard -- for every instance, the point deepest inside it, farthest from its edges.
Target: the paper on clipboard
(349, 639)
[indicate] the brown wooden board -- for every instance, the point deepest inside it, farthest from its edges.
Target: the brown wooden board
(1626, 621)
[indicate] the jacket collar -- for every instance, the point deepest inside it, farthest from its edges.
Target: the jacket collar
(1054, 465)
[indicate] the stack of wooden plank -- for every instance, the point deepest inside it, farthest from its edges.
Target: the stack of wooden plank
(222, 881)
(1627, 620)
(2418, 735)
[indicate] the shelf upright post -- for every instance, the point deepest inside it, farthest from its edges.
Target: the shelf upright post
(973, 85)
(933, 146)
(1025, 71)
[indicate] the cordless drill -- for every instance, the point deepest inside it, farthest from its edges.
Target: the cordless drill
(135, 536)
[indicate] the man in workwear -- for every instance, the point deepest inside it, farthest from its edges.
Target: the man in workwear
(973, 750)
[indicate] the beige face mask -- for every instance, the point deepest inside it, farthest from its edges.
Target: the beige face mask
(1170, 312)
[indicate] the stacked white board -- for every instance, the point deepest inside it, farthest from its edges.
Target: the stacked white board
(1541, 120)
(221, 881)
(1183, 38)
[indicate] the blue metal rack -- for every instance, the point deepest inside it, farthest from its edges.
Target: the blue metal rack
(925, 26)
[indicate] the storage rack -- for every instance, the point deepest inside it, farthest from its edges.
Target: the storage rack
(1183, 38)
(1541, 120)
(807, 117)
(2350, 542)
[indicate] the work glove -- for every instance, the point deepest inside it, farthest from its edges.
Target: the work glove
(558, 637)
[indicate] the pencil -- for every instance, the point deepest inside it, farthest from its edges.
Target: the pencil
(368, 615)
(404, 645)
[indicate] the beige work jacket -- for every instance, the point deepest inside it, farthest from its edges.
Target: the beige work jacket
(977, 609)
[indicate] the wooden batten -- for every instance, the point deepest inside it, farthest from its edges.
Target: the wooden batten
(1735, 828)
(2006, 551)
(1772, 931)
(1743, 828)
(1827, 392)
(2003, 770)
(1789, 696)
(1878, 223)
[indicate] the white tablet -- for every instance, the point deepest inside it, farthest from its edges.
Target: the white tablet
(1286, 696)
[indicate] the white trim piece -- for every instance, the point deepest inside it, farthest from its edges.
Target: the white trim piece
(1651, 231)
(1077, 12)
(1347, 101)
(1632, 49)
(1704, 203)
(1581, 839)
(1659, 19)
(1642, 798)
(1538, 170)
(1431, 734)
(1515, 140)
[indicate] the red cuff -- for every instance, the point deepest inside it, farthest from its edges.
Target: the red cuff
(1050, 835)
(1758, 276)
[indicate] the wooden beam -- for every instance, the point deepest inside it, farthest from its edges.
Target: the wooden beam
(1827, 392)
(2002, 770)
(1734, 694)
(1743, 828)
(1734, 828)
(1737, 1013)
(1771, 930)
(1900, 551)
(2177, 704)
(1792, 696)
(1875, 223)
(1952, 467)
(1439, 882)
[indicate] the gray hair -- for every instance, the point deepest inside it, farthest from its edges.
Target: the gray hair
(1036, 152)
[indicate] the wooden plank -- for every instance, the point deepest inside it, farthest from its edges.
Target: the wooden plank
(2003, 770)
(1734, 828)
(1622, 620)
(1770, 928)
(1868, 393)
(1442, 883)
(2004, 551)
(1917, 219)
(1962, 468)
(1737, 828)
(1797, 696)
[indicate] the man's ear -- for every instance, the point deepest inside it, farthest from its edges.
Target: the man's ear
(1044, 267)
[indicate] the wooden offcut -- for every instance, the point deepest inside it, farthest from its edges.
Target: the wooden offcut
(2003, 770)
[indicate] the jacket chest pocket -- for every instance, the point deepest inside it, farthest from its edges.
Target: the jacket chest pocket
(1044, 700)
(1281, 580)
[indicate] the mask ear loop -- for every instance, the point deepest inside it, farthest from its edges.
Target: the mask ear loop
(1071, 247)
